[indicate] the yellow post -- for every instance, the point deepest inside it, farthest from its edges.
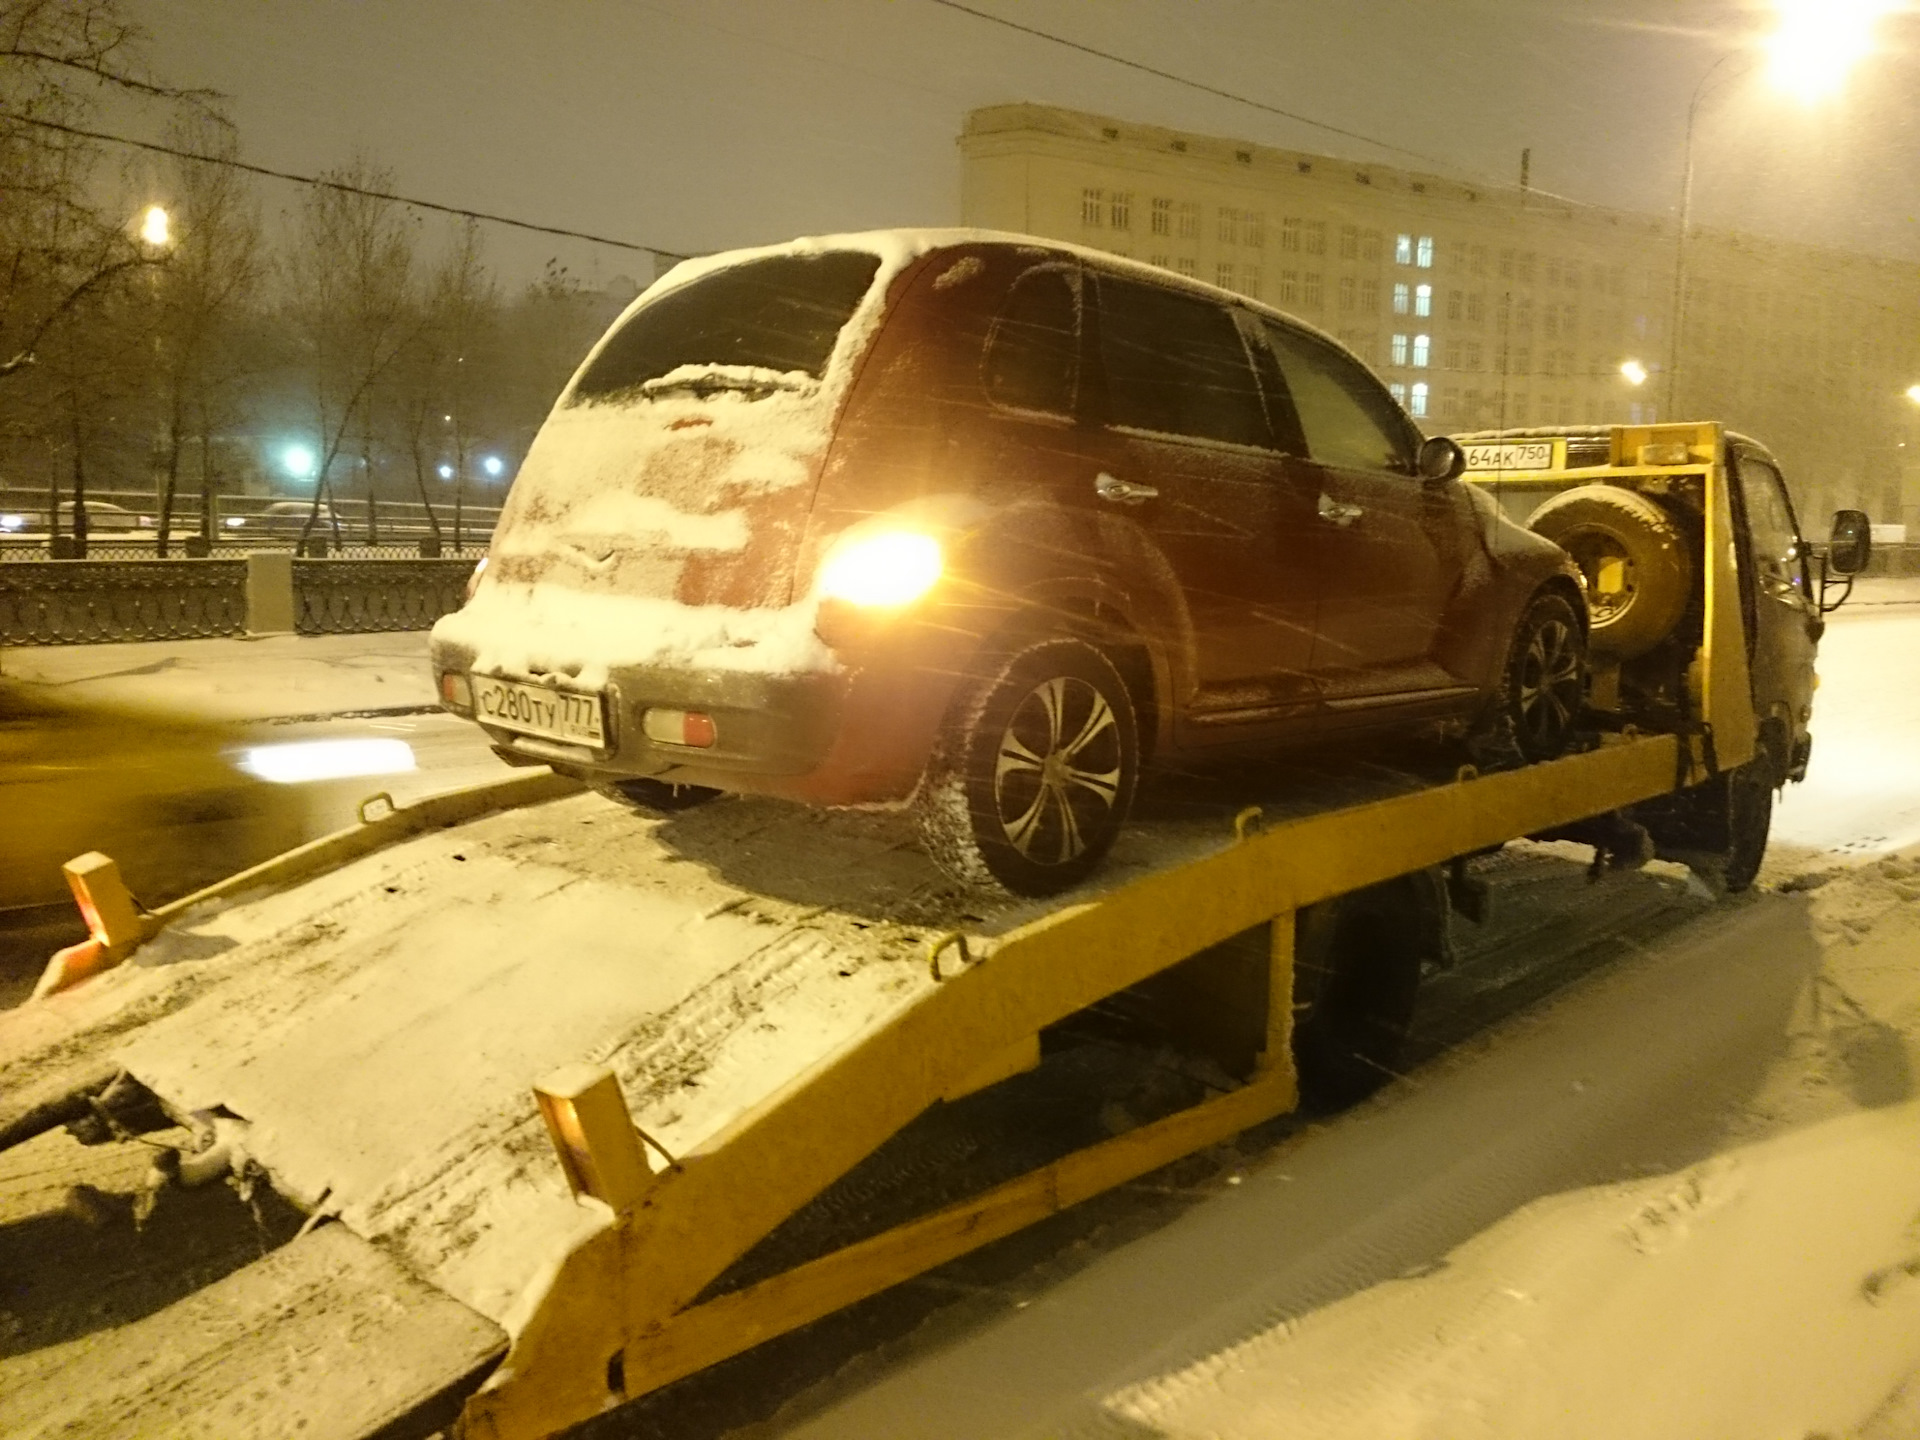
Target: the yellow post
(593, 1135)
(114, 926)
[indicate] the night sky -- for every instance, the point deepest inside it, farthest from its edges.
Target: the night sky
(692, 125)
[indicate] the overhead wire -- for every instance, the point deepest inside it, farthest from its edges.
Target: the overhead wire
(321, 182)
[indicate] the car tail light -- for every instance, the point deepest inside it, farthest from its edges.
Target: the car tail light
(456, 692)
(680, 727)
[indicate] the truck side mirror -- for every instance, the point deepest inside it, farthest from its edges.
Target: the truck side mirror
(1441, 458)
(1851, 544)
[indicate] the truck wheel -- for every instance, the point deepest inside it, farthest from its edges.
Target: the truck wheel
(1634, 561)
(1357, 963)
(1749, 802)
(1543, 689)
(1034, 772)
(654, 797)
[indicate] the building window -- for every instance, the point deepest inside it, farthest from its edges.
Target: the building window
(1449, 402)
(1398, 391)
(1423, 252)
(1186, 266)
(1256, 235)
(1417, 399)
(1549, 362)
(1250, 281)
(1402, 248)
(1162, 217)
(1400, 294)
(1346, 292)
(1475, 309)
(1473, 355)
(1290, 233)
(1229, 226)
(1223, 274)
(1456, 304)
(1349, 242)
(1161, 261)
(1423, 300)
(1369, 244)
(1091, 208)
(1370, 295)
(1189, 222)
(1310, 290)
(1316, 237)
(1422, 346)
(1477, 262)
(1289, 287)
(1398, 350)
(1120, 211)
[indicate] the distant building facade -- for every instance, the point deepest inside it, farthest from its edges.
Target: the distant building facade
(1492, 307)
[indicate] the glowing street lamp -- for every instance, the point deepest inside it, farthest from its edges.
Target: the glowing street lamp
(1818, 42)
(1634, 371)
(1913, 393)
(299, 461)
(156, 227)
(446, 472)
(494, 466)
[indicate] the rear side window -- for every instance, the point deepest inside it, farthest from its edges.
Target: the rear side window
(1776, 539)
(1033, 353)
(1175, 364)
(781, 314)
(1348, 421)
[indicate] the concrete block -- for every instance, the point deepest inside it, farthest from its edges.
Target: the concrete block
(270, 603)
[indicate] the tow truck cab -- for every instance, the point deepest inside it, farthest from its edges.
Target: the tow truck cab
(1654, 516)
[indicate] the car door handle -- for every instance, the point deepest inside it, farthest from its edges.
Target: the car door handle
(1122, 492)
(1336, 513)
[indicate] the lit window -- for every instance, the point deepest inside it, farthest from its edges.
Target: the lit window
(1120, 212)
(1422, 344)
(1186, 266)
(1399, 350)
(1223, 275)
(1423, 300)
(1349, 242)
(1402, 249)
(1091, 207)
(1162, 217)
(1398, 391)
(1400, 294)
(1417, 399)
(1423, 253)
(1316, 237)
(1310, 290)
(1346, 292)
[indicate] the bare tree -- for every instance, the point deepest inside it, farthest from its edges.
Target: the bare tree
(351, 282)
(202, 296)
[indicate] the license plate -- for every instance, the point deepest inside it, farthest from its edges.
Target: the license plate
(1527, 455)
(540, 710)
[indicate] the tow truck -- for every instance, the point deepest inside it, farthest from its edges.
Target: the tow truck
(496, 1111)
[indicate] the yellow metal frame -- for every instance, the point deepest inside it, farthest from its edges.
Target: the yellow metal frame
(620, 1317)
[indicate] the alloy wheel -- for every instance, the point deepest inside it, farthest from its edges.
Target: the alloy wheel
(1058, 771)
(1549, 684)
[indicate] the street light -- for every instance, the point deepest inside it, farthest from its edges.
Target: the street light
(494, 466)
(1913, 393)
(156, 228)
(1818, 42)
(299, 460)
(446, 472)
(1634, 371)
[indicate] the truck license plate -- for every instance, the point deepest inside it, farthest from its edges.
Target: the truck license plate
(1528, 455)
(540, 710)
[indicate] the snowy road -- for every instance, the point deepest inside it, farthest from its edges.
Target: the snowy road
(1659, 1176)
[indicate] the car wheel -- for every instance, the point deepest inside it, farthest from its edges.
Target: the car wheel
(1634, 561)
(1749, 804)
(657, 796)
(1034, 771)
(1543, 689)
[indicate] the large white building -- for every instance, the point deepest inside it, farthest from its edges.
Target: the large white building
(1495, 307)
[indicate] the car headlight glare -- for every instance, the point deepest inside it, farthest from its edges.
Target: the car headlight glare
(892, 568)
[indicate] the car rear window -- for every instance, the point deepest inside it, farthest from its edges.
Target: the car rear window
(781, 313)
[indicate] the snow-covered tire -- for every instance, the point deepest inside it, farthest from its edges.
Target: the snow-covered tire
(655, 797)
(1634, 561)
(1033, 772)
(1749, 809)
(1542, 691)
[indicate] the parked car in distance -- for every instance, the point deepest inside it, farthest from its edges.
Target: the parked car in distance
(988, 523)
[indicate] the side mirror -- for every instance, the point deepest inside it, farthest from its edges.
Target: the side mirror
(1851, 544)
(1441, 458)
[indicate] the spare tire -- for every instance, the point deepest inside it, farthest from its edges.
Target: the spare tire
(1634, 561)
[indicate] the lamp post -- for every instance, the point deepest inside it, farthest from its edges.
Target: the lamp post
(1676, 329)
